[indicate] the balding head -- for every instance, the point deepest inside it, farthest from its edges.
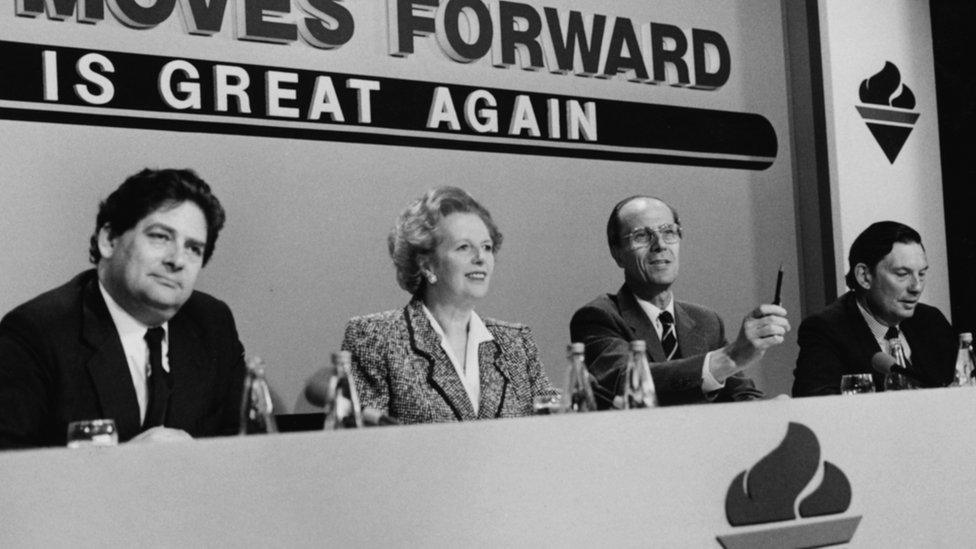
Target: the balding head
(645, 241)
(613, 224)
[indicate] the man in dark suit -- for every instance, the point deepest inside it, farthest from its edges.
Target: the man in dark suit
(886, 275)
(129, 340)
(691, 361)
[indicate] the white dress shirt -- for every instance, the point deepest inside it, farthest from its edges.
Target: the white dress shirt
(133, 334)
(878, 330)
(470, 370)
(709, 383)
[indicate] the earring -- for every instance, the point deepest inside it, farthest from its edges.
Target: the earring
(432, 278)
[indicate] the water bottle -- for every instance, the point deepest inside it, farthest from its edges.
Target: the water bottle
(579, 388)
(257, 410)
(964, 362)
(344, 412)
(972, 360)
(639, 389)
(895, 381)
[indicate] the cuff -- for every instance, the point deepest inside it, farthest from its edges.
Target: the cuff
(721, 360)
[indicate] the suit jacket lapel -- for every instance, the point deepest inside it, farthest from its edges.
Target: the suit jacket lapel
(915, 333)
(866, 343)
(187, 366)
(108, 365)
(691, 342)
(494, 376)
(640, 325)
(441, 375)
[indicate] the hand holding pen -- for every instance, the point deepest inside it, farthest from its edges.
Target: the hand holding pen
(764, 327)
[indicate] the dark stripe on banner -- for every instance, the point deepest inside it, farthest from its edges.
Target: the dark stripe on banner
(887, 115)
(649, 132)
(367, 138)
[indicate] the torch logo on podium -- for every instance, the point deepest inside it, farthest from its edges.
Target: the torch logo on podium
(763, 502)
(886, 108)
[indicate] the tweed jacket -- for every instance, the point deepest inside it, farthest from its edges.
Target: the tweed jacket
(61, 360)
(610, 322)
(837, 341)
(401, 369)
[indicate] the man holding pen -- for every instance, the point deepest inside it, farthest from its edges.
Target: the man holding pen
(691, 361)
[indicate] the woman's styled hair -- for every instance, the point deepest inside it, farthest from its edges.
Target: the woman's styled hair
(414, 237)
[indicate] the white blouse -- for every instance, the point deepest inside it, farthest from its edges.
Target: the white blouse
(470, 371)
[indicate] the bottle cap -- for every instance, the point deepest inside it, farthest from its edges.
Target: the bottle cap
(966, 337)
(255, 365)
(638, 345)
(576, 348)
(342, 357)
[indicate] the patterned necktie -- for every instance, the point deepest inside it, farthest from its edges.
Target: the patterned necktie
(669, 340)
(894, 333)
(158, 384)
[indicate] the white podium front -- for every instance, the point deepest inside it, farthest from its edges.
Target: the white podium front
(662, 477)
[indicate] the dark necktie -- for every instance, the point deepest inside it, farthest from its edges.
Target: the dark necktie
(894, 333)
(158, 384)
(669, 340)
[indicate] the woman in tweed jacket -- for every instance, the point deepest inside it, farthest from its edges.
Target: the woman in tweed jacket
(436, 359)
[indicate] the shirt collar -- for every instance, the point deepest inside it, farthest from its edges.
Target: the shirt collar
(653, 311)
(878, 330)
(125, 324)
(477, 331)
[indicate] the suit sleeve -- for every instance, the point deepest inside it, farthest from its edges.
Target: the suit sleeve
(737, 387)
(818, 366)
(539, 381)
(234, 371)
(369, 369)
(26, 385)
(944, 343)
(607, 341)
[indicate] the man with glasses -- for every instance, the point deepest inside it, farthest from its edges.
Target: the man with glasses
(691, 361)
(129, 340)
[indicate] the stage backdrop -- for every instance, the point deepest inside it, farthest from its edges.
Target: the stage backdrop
(317, 121)
(882, 127)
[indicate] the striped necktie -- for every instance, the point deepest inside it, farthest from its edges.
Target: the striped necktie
(669, 340)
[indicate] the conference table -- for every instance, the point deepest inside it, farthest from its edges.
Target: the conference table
(884, 469)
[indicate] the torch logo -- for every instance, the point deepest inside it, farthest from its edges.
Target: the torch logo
(770, 493)
(889, 116)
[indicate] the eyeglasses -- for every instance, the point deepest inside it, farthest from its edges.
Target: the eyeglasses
(669, 233)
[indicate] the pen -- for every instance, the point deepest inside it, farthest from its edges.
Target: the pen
(779, 286)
